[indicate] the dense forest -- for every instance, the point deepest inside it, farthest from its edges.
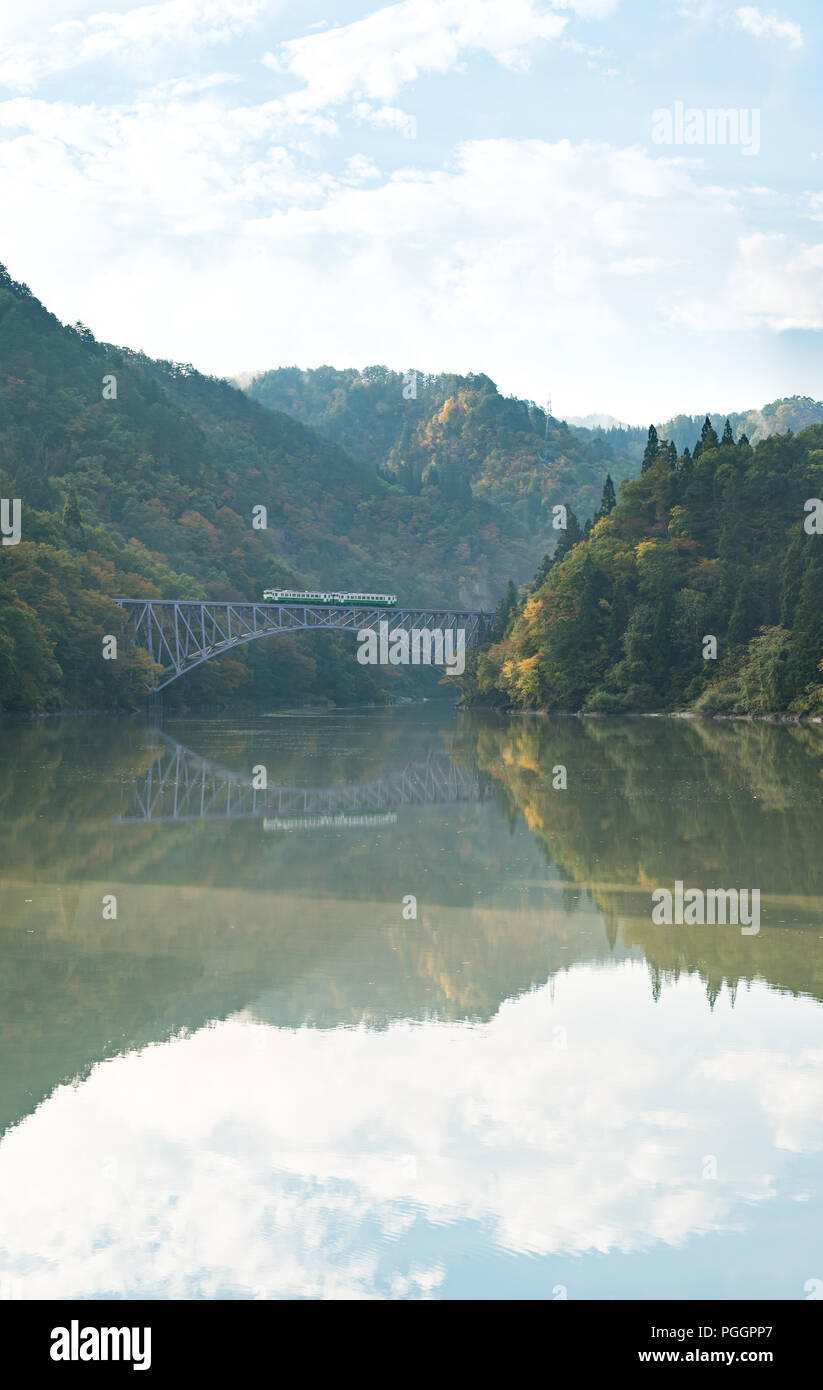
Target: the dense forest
(700, 589)
(450, 437)
(146, 487)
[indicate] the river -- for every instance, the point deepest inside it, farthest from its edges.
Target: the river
(399, 1023)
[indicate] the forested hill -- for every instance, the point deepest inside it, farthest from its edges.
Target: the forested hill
(451, 437)
(719, 546)
(144, 494)
(150, 492)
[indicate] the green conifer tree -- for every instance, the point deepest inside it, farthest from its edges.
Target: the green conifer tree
(71, 511)
(652, 448)
(505, 609)
(708, 435)
(608, 501)
(568, 538)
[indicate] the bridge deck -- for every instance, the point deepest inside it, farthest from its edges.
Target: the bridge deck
(179, 634)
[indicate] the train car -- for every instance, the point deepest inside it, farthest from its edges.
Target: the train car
(298, 596)
(383, 600)
(321, 596)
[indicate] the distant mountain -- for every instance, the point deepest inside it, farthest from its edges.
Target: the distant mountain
(454, 437)
(789, 413)
(596, 422)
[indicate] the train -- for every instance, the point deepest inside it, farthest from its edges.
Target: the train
(320, 596)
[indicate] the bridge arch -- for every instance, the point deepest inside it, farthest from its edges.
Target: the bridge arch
(180, 634)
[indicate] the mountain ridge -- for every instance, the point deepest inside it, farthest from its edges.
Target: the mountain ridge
(149, 490)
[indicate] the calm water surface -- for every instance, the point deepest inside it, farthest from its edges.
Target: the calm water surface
(267, 1078)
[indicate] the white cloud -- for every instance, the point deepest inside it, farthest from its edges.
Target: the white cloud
(199, 224)
(252, 1160)
(385, 118)
(109, 34)
(360, 169)
(372, 58)
(530, 259)
(700, 12)
(19, 22)
(191, 86)
(789, 1088)
(769, 25)
(777, 282)
(748, 18)
(195, 229)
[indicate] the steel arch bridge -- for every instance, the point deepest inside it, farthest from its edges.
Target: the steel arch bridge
(181, 786)
(179, 634)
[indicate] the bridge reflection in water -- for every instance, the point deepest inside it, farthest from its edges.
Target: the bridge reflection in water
(181, 786)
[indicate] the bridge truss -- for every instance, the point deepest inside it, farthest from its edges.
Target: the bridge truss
(179, 634)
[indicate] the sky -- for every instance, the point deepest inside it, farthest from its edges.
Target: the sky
(523, 188)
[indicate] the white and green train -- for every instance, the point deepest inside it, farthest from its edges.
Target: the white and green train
(317, 596)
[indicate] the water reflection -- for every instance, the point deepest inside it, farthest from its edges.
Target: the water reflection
(181, 785)
(263, 1080)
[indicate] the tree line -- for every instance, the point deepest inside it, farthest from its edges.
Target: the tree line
(709, 543)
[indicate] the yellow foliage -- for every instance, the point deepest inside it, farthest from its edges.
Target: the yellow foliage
(449, 408)
(526, 680)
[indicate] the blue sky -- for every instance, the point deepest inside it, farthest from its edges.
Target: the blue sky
(456, 186)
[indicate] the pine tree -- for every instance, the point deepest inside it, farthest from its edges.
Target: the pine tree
(685, 473)
(71, 511)
(652, 448)
(806, 640)
(542, 571)
(672, 454)
(662, 656)
(608, 501)
(708, 436)
(743, 619)
(569, 538)
(506, 607)
(728, 437)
